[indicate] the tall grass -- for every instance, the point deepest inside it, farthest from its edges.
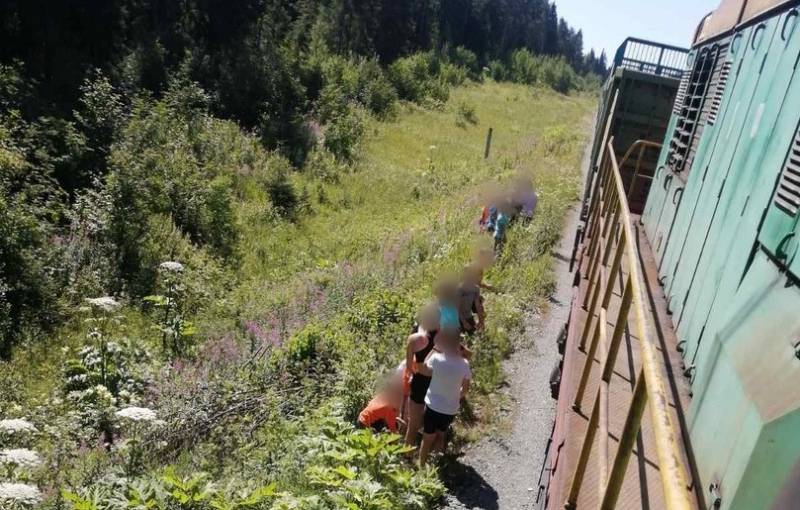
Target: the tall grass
(295, 335)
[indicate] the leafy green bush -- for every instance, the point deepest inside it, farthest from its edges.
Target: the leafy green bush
(375, 91)
(169, 163)
(452, 75)
(466, 59)
(31, 206)
(280, 190)
(523, 67)
(359, 469)
(552, 72)
(363, 81)
(171, 491)
(100, 116)
(498, 71)
(381, 313)
(417, 77)
(557, 74)
(322, 165)
(344, 132)
(559, 140)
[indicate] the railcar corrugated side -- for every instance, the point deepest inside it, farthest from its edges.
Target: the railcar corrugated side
(725, 232)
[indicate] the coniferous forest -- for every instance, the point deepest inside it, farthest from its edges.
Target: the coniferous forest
(199, 233)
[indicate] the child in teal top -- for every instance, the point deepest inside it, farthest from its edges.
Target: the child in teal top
(500, 231)
(447, 301)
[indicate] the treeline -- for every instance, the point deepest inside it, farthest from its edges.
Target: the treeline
(251, 55)
(130, 129)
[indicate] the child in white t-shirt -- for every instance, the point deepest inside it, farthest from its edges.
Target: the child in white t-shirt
(450, 377)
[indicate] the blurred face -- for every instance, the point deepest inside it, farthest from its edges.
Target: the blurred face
(428, 318)
(470, 276)
(447, 291)
(448, 340)
(485, 258)
(395, 391)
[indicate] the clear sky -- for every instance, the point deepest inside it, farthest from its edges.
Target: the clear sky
(606, 23)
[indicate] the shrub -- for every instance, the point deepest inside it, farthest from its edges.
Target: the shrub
(363, 81)
(524, 67)
(282, 193)
(165, 164)
(31, 277)
(100, 115)
(498, 71)
(465, 114)
(416, 77)
(380, 314)
(452, 75)
(552, 72)
(344, 132)
(557, 74)
(322, 165)
(375, 91)
(360, 469)
(559, 140)
(466, 59)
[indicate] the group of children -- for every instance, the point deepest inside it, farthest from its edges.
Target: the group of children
(427, 389)
(520, 200)
(434, 378)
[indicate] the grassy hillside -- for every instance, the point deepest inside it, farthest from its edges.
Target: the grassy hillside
(288, 343)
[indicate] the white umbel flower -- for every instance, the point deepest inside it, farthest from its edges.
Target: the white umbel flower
(20, 493)
(105, 303)
(20, 457)
(171, 266)
(16, 425)
(137, 414)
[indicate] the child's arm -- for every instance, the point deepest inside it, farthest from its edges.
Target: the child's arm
(426, 368)
(486, 286)
(412, 339)
(480, 312)
(464, 388)
(466, 352)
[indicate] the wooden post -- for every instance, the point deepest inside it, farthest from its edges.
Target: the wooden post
(488, 144)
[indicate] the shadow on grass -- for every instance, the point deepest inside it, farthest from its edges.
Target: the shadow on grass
(467, 485)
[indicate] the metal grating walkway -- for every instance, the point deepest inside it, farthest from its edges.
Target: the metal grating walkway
(641, 487)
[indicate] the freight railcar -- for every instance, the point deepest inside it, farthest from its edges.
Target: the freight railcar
(680, 383)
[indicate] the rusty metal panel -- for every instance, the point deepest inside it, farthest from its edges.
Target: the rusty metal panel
(754, 8)
(723, 19)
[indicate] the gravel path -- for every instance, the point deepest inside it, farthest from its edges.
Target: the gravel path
(502, 473)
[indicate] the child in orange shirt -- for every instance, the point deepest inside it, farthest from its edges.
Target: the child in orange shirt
(382, 411)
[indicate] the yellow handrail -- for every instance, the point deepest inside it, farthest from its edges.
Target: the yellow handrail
(610, 231)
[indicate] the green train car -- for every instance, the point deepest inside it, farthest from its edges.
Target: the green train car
(722, 219)
(700, 408)
(636, 104)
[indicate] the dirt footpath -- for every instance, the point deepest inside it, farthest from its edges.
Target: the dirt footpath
(503, 472)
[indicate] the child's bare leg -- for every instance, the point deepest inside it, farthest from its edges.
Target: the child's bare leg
(415, 412)
(439, 445)
(428, 441)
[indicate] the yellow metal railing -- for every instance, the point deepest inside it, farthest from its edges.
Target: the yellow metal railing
(610, 233)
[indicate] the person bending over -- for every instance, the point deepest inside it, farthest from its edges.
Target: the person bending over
(381, 412)
(450, 377)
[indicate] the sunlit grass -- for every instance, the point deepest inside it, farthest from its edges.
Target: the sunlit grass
(420, 175)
